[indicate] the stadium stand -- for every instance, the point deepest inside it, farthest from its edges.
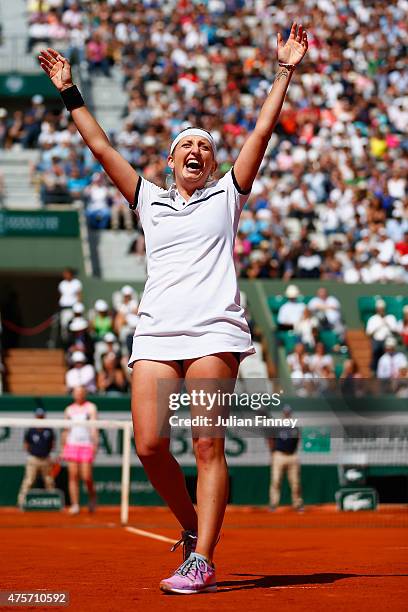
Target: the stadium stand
(35, 371)
(324, 236)
(331, 199)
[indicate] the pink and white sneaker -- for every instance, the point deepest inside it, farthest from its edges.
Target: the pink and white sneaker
(193, 576)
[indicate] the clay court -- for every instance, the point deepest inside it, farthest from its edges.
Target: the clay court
(316, 561)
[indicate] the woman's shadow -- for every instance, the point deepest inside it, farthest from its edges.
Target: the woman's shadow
(256, 581)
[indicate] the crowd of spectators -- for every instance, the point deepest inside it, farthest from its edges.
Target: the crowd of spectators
(386, 333)
(312, 363)
(97, 342)
(310, 360)
(330, 200)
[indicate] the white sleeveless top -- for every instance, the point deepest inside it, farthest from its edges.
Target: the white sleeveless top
(191, 302)
(79, 413)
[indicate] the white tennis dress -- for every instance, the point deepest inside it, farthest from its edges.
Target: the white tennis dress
(191, 302)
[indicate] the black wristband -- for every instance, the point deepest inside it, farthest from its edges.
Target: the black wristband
(72, 98)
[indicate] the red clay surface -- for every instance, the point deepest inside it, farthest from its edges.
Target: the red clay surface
(322, 560)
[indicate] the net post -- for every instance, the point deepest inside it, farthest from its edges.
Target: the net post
(125, 488)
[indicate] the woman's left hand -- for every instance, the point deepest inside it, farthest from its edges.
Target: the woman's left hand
(293, 51)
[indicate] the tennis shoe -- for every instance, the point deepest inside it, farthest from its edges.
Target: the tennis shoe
(189, 541)
(195, 575)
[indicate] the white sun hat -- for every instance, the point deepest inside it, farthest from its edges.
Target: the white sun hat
(78, 308)
(78, 357)
(78, 324)
(109, 337)
(292, 292)
(127, 290)
(101, 306)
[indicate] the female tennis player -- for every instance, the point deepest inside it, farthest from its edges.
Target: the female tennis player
(190, 321)
(79, 445)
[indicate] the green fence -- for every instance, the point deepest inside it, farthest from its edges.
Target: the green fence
(15, 84)
(39, 224)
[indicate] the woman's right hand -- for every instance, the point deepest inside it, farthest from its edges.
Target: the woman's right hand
(57, 68)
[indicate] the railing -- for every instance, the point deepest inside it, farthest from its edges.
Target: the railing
(17, 54)
(14, 56)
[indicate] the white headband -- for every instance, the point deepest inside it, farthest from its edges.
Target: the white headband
(194, 132)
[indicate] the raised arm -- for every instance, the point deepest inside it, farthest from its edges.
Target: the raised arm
(251, 155)
(116, 167)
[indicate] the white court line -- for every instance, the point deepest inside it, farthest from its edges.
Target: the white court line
(149, 534)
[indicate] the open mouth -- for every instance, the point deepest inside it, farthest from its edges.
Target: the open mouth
(194, 165)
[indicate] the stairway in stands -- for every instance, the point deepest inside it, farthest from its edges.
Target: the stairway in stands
(109, 99)
(19, 190)
(35, 371)
(13, 53)
(111, 258)
(360, 350)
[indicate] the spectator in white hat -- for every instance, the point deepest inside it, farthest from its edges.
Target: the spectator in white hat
(383, 271)
(101, 322)
(379, 327)
(391, 362)
(129, 301)
(80, 374)
(109, 345)
(78, 311)
(80, 339)
(126, 317)
(291, 312)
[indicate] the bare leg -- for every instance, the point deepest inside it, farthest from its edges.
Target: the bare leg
(212, 483)
(73, 482)
(85, 472)
(161, 467)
